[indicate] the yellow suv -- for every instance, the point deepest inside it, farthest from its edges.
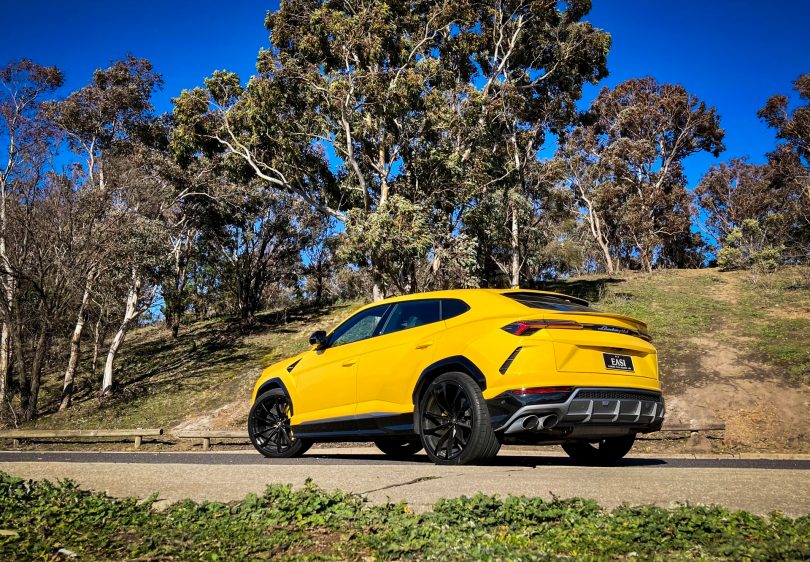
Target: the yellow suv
(460, 372)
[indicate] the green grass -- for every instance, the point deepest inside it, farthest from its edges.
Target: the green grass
(774, 314)
(38, 519)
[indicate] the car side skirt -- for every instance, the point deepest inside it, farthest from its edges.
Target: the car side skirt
(365, 427)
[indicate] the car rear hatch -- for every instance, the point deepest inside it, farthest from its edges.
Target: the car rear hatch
(607, 343)
(589, 341)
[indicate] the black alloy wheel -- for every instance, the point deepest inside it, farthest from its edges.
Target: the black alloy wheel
(455, 427)
(269, 426)
(400, 450)
(605, 452)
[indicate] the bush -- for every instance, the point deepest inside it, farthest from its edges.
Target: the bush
(749, 246)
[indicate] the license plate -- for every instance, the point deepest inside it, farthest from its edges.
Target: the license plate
(616, 362)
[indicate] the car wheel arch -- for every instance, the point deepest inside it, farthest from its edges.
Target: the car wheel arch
(430, 373)
(270, 384)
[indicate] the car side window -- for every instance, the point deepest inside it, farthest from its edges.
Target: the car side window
(453, 307)
(359, 327)
(411, 314)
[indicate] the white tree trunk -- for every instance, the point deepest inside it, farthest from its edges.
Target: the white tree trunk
(596, 230)
(5, 362)
(131, 312)
(115, 345)
(515, 248)
(376, 292)
(600, 240)
(8, 286)
(99, 331)
(75, 346)
(377, 286)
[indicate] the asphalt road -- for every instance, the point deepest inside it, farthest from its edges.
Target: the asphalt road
(758, 485)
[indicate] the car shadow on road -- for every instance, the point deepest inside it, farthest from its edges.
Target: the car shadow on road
(515, 461)
(534, 462)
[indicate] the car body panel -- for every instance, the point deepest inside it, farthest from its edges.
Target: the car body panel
(387, 373)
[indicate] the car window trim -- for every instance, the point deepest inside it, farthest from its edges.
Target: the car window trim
(383, 321)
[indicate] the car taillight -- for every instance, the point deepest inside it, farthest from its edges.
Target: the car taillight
(529, 327)
(645, 335)
(542, 390)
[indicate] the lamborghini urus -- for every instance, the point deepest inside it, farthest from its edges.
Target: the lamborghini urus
(458, 373)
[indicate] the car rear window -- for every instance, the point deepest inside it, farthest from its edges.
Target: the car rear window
(411, 314)
(549, 302)
(453, 307)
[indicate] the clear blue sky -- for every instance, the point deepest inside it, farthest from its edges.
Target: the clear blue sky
(733, 54)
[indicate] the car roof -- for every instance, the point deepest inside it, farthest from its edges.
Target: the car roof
(472, 295)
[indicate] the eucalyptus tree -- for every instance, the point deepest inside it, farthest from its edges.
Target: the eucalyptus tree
(764, 209)
(254, 240)
(135, 175)
(626, 162)
(596, 193)
(319, 256)
(535, 58)
(789, 163)
(27, 140)
(107, 116)
(544, 208)
(192, 193)
(735, 191)
(46, 222)
(401, 98)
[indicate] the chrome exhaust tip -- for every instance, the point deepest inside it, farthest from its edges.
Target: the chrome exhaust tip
(530, 423)
(547, 422)
(533, 422)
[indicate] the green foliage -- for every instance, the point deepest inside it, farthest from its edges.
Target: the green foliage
(313, 524)
(418, 107)
(394, 236)
(750, 246)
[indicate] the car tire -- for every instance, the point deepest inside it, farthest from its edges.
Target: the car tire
(455, 426)
(606, 451)
(400, 450)
(269, 426)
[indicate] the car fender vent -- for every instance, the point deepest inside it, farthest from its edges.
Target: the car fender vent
(292, 365)
(508, 362)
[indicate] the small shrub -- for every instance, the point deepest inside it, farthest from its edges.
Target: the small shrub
(750, 246)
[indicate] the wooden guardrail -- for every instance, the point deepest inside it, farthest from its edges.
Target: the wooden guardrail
(18, 434)
(206, 435)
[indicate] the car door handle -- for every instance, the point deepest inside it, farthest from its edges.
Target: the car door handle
(349, 362)
(424, 345)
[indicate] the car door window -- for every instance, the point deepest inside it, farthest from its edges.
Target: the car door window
(411, 314)
(358, 327)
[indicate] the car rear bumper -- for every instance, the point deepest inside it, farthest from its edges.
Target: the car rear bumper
(583, 411)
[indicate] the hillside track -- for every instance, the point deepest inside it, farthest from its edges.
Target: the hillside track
(757, 485)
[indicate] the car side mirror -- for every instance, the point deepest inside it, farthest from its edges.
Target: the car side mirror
(318, 339)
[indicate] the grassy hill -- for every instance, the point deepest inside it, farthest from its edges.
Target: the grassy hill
(734, 347)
